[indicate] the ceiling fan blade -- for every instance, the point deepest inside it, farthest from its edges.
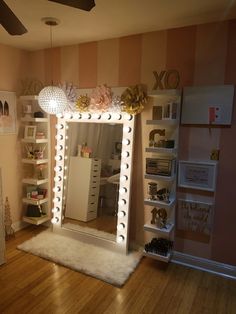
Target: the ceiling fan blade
(86, 5)
(9, 21)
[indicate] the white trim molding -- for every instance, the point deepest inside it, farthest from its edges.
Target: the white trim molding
(204, 264)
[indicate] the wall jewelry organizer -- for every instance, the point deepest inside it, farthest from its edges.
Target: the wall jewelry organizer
(125, 119)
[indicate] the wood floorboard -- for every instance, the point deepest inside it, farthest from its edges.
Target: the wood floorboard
(29, 284)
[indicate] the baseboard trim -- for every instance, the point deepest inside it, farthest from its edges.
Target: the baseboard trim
(18, 225)
(204, 264)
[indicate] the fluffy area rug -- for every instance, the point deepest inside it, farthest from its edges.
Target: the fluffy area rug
(98, 262)
(98, 233)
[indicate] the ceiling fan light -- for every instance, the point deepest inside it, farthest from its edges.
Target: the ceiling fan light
(52, 100)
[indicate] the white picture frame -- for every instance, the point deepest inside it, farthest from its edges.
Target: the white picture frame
(195, 216)
(30, 132)
(198, 175)
(7, 113)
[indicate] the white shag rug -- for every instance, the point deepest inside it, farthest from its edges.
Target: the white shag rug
(98, 233)
(112, 267)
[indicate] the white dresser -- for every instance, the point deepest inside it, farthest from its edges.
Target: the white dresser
(83, 188)
(2, 227)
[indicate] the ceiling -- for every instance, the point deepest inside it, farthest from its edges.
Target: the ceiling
(109, 19)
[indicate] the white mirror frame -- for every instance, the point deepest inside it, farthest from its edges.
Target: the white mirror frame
(128, 121)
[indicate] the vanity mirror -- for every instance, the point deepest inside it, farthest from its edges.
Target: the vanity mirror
(93, 177)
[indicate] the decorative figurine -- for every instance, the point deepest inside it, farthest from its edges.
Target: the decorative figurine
(152, 190)
(162, 218)
(154, 215)
(9, 231)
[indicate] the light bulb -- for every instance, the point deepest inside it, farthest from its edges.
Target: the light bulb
(58, 157)
(59, 137)
(54, 220)
(121, 214)
(55, 210)
(125, 154)
(127, 129)
(123, 178)
(56, 199)
(122, 191)
(59, 126)
(58, 168)
(124, 166)
(120, 238)
(56, 189)
(57, 179)
(122, 202)
(126, 141)
(68, 115)
(121, 226)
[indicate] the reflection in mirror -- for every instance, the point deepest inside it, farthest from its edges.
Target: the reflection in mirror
(93, 176)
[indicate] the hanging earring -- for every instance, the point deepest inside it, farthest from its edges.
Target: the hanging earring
(1, 108)
(6, 109)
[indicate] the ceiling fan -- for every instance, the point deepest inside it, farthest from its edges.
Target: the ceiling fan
(14, 26)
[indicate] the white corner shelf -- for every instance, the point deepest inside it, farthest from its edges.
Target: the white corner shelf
(158, 177)
(161, 150)
(163, 104)
(162, 204)
(34, 161)
(158, 257)
(33, 175)
(31, 119)
(33, 201)
(36, 220)
(160, 231)
(167, 122)
(29, 97)
(35, 141)
(34, 181)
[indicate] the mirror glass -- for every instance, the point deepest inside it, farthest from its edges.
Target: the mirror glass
(91, 192)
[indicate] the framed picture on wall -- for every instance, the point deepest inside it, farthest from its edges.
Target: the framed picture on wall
(30, 132)
(197, 175)
(194, 220)
(7, 112)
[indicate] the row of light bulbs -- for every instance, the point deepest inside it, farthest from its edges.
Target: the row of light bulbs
(61, 134)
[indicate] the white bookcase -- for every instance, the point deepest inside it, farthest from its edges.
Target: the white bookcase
(161, 152)
(36, 160)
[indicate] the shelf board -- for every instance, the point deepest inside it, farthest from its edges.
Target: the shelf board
(158, 257)
(29, 97)
(161, 150)
(34, 161)
(165, 93)
(31, 119)
(160, 203)
(161, 231)
(36, 141)
(158, 177)
(36, 220)
(34, 181)
(163, 122)
(34, 201)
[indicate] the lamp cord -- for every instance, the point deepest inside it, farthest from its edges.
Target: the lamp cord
(51, 54)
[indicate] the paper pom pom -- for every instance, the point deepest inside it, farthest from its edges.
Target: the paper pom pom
(101, 98)
(115, 105)
(133, 99)
(70, 91)
(82, 103)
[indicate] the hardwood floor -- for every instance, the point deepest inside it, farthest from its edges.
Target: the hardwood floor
(29, 284)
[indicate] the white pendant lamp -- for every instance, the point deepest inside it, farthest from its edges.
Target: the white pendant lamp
(52, 99)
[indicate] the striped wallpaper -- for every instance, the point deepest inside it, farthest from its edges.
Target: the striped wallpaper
(203, 55)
